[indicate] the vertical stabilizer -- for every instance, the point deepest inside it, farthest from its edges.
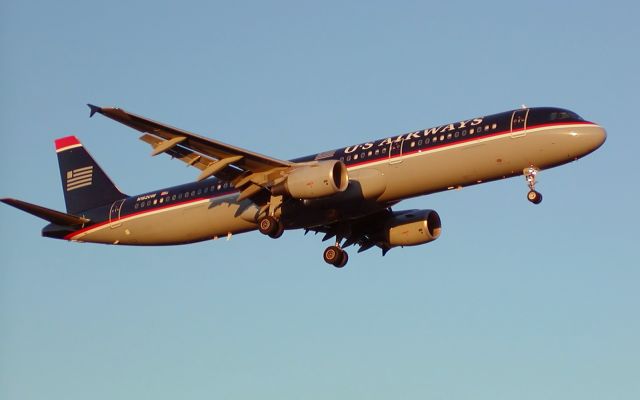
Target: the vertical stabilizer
(84, 183)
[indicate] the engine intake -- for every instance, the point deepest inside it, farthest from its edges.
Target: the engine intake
(312, 181)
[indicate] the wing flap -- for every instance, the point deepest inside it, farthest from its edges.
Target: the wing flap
(191, 158)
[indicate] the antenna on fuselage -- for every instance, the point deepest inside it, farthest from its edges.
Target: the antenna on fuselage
(524, 106)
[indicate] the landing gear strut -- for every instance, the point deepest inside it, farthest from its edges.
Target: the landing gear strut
(530, 176)
(269, 224)
(335, 256)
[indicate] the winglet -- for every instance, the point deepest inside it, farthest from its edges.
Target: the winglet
(94, 109)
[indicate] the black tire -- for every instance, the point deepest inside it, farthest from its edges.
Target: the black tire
(333, 255)
(534, 197)
(267, 225)
(278, 232)
(344, 261)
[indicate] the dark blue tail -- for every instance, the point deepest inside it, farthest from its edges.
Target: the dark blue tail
(84, 183)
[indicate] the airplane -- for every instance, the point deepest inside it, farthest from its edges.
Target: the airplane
(347, 193)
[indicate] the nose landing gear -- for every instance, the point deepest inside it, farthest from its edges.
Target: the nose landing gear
(530, 176)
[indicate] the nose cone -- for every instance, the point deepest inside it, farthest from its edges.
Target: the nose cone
(589, 138)
(597, 136)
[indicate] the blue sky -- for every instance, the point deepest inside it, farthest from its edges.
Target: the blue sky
(513, 301)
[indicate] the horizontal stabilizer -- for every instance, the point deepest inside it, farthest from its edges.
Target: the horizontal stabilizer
(53, 216)
(94, 109)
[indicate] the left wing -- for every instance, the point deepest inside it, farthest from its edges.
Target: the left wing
(247, 170)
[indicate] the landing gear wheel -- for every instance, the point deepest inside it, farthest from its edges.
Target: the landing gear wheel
(344, 261)
(335, 256)
(268, 226)
(534, 197)
(278, 232)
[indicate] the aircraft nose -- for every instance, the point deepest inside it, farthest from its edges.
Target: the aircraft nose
(590, 137)
(597, 136)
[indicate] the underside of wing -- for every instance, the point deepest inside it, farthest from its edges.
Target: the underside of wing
(364, 232)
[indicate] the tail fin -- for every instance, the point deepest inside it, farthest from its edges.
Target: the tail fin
(84, 183)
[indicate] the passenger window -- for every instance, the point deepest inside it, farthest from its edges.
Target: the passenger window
(180, 196)
(348, 158)
(161, 200)
(370, 153)
(464, 133)
(449, 136)
(377, 151)
(173, 197)
(471, 131)
(186, 195)
(494, 126)
(355, 157)
(420, 142)
(136, 206)
(457, 134)
(384, 150)
(362, 155)
(413, 144)
(206, 189)
(199, 192)
(426, 141)
(142, 205)
(148, 203)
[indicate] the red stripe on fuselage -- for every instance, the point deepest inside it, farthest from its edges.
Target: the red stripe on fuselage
(147, 211)
(460, 141)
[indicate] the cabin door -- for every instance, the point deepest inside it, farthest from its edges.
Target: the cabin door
(395, 152)
(114, 213)
(519, 122)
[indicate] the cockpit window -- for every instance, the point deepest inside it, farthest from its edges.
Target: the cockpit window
(560, 115)
(539, 116)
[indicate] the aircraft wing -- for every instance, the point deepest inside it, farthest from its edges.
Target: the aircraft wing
(210, 156)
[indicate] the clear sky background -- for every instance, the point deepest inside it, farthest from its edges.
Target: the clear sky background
(514, 301)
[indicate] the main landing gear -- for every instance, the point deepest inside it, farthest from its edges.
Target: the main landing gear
(271, 227)
(269, 224)
(335, 256)
(530, 176)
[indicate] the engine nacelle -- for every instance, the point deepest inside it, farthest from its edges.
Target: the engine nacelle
(313, 181)
(411, 228)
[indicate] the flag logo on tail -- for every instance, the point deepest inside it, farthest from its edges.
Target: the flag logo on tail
(78, 178)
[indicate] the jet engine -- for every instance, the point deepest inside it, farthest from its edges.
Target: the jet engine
(411, 228)
(312, 181)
